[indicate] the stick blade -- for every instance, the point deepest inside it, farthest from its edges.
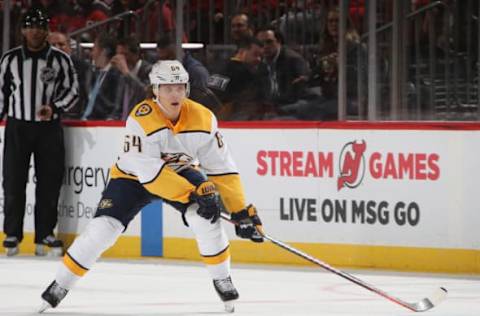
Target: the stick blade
(439, 296)
(430, 302)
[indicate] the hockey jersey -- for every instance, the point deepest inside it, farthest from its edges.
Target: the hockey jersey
(155, 150)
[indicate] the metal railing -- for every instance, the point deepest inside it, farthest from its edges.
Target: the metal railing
(397, 84)
(408, 16)
(96, 25)
(425, 80)
(409, 75)
(102, 24)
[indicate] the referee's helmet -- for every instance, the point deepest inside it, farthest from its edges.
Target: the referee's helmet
(35, 18)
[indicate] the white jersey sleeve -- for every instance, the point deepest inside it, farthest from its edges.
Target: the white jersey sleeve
(217, 161)
(214, 156)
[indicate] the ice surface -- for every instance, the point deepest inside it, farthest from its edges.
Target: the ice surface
(166, 287)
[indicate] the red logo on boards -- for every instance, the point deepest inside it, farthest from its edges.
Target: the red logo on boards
(352, 165)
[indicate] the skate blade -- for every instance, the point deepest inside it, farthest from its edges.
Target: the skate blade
(11, 251)
(45, 305)
(229, 307)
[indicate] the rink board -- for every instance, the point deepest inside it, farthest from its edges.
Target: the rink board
(391, 195)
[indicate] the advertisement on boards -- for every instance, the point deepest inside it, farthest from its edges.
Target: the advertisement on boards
(373, 187)
(331, 186)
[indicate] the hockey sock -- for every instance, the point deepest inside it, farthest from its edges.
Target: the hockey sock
(212, 243)
(99, 235)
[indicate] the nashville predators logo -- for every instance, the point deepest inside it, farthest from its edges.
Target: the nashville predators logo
(105, 203)
(143, 110)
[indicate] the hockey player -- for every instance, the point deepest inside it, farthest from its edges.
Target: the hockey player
(168, 138)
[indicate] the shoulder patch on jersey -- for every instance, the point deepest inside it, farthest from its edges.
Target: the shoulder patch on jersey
(146, 115)
(143, 109)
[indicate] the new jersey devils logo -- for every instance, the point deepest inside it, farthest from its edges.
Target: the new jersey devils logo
(352, 165)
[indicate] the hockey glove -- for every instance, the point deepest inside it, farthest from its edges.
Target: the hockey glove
(248, 224)
(209, 205)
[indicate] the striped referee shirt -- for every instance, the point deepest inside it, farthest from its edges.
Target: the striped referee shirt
(29, 80)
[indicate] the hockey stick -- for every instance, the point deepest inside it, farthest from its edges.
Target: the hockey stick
(421, 306)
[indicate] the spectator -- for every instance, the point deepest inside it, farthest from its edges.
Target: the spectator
(84, 72)
(196, 70)
(105, 99)
(240, 27)
(37, 82)
(135, 71)
(242, 83)
(240, 23)
(325, 71)
(327, 61)
(288, 71)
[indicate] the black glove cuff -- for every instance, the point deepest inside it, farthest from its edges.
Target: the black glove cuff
(238, 216)
(247, 213)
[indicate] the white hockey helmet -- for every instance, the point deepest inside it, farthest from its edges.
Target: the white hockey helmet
(168, 72)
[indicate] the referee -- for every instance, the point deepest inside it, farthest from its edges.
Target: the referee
(37, 83)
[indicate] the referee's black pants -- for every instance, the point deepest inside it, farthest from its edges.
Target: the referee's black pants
(45, 141)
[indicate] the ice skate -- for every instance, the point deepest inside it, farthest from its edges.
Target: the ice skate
(49, 246)
(227, 293)
(11, 246)
(52, 296)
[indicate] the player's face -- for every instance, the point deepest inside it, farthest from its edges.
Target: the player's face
(171, 96)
